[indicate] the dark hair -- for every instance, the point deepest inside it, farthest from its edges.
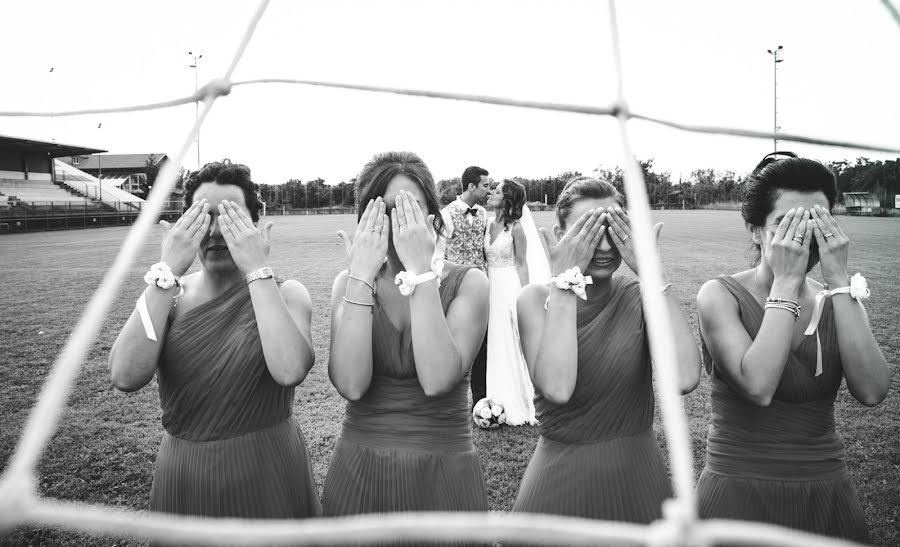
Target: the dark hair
(583, 188)
(513, 200)
(375, 176)
(224, 172)
(472, 175)
(774, 174)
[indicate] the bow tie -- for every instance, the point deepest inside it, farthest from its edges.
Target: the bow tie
(472, 211)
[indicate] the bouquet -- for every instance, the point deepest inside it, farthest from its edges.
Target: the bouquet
(489, 414)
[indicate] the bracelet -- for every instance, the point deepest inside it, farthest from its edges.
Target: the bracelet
(160, 275)
(782, 301)
(367, 304)
(858, 290)
(784, 306)
(363, 281)
(407, 282)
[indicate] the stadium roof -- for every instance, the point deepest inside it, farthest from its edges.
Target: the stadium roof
(119, 161)
(54, 149)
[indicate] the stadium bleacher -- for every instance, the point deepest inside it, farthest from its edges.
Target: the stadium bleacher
(36, 190)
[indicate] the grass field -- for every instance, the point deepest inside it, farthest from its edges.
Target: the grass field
(106, 444)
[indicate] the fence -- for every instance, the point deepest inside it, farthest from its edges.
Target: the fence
(38, 216)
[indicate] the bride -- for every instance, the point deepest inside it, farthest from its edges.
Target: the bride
(515, 258)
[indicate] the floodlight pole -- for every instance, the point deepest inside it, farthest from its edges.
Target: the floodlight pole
(196, 103)
(776, 58)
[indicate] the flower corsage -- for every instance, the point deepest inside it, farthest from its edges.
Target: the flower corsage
(571, 280)
(160, 274)
(407, 282)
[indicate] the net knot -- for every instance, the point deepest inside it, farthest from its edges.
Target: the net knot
(675, 528)
(16, 494)
(620, 108)
(217, 87)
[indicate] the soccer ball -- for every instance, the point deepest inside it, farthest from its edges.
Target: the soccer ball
(489, 414)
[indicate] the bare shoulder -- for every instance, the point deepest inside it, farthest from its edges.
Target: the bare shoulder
(517, 229)
(475, 281)
(533, 296)
(714, 299)
(341, 278)
(294, 290)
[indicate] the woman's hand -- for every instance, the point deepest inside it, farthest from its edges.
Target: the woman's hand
(620, 233)
(368, 248)
(787, 250)
(248, 246)
(834, 246)
(413, 232)
(576, 247)
(181, 241)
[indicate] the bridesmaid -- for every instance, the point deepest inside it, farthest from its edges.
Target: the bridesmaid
(772, 453)
(228, 345)
(586, 348)
(401, 359)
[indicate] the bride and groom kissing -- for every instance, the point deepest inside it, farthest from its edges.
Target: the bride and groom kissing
(509, 249)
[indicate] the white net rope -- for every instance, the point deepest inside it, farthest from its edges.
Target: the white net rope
(21, 505)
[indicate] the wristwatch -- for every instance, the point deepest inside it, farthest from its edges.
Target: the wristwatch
(262, 273)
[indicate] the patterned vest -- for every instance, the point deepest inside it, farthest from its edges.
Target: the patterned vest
(466, 244)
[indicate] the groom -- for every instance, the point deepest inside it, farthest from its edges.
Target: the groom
(462, 242)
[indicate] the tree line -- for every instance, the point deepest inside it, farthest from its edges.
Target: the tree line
(701, 188)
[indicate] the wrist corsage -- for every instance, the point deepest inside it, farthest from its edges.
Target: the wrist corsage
(858, 290)
(571, 280)
(160, 274)
(407, 281)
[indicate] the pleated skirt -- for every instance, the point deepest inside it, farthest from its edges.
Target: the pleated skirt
(373, 478)
(828, 507)
(263, 474)
(621, 479)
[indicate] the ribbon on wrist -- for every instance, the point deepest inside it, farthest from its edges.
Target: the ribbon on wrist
(407, 281)
(160, 275)
(858, 290)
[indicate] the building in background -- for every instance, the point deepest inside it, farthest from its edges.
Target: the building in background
(134, 173)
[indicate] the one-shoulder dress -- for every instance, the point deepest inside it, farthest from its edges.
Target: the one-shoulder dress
(597, 456)
(231, 447)
(400, 450)
(785, 463)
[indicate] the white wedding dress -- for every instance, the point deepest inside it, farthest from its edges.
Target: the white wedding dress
(507, 380)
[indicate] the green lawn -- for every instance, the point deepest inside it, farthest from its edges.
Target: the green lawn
(106, 444)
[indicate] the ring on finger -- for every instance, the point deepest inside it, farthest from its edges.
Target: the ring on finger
(624, 238)
(828, 234)
(798, 239)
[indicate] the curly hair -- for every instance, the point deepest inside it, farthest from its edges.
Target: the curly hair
(513, 199)
(224, 172)
(375, 176)
(774, 174)
(583, 188)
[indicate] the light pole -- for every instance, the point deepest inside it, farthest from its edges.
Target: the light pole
(52, 118)
(776, 58)
(100, 174)
(196, 103)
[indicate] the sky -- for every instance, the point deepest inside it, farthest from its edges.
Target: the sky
(700, 62)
